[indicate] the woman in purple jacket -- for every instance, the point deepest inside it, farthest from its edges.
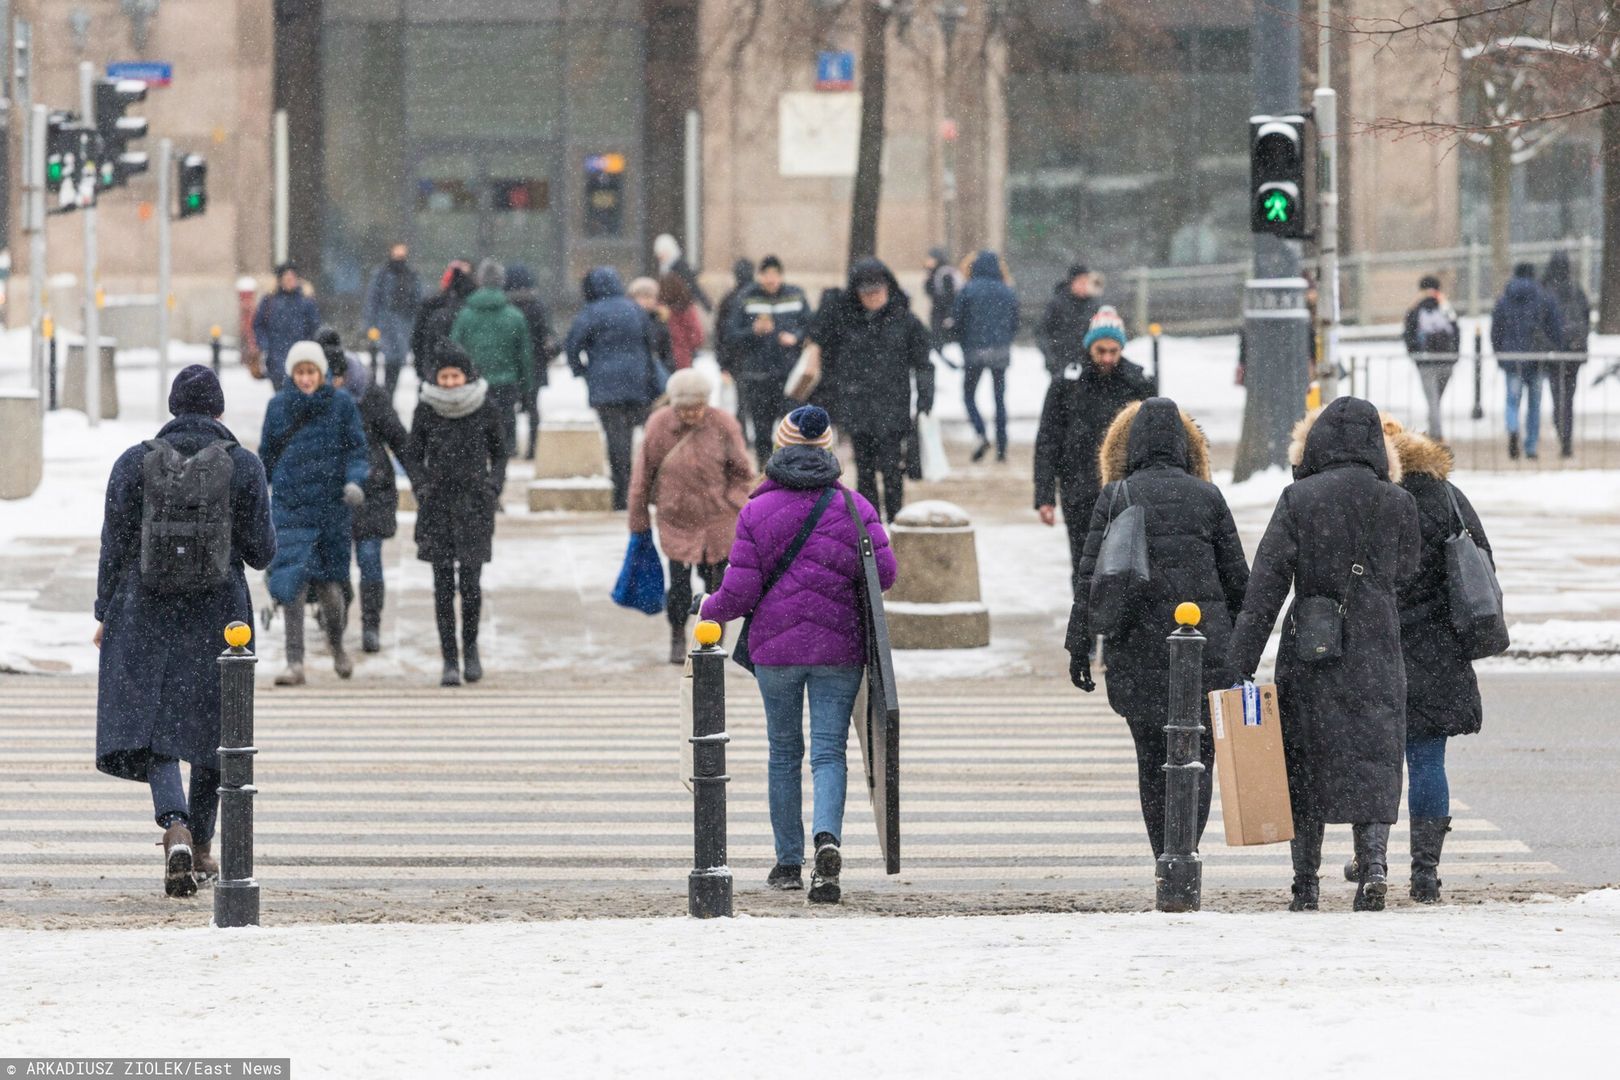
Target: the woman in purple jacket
(806, 634)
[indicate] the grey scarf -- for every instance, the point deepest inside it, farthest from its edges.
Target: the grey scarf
(454, 404)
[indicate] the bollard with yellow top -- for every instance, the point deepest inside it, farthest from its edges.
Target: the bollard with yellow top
(708, 886)
(1179, 874)
(48, 329)
(236, 893)
(1154, 330)
(215, 345)
(374, 347)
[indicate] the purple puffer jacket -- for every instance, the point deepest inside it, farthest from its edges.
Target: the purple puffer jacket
(811, 617)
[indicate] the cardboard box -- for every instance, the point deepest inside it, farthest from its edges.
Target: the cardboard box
(1249, 766)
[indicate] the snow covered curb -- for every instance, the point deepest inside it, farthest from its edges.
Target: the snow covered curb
(1492, 990)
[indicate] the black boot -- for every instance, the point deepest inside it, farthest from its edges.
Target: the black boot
(1372, 860)
(1513, 445)
(1306, 849)
(471, 668)
(829, 863)
(677, 644)
(371, 608)
(1428, 836)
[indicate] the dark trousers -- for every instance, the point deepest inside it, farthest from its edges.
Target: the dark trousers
(532, 407)
(1077, 521)
(765, 404)
(679, 598)
(334, 608)
(1150, 776)
(392, 366)
(170, 802)
(619, 423)
(1561, 379)
(446, 581)
(508, 401)
(880, 455)
(976, 367)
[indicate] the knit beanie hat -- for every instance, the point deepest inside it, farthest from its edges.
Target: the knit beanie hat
(1105, 324)
(196, 390)
(808, 425)
(451, 355)
(331, 343)
(688, 386)
(307, 352)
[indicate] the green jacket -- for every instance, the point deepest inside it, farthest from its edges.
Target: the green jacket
(496, 336)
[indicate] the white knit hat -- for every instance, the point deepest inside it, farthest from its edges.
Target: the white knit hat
(689, 386)
(307, 352)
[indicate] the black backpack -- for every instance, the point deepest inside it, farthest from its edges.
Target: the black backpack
(186, 517)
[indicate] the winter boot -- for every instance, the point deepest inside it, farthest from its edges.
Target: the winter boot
(824, 877)
(177, 864)
(371, 609)
(1306, 850)
(1428, 836)
(982, 451)
(1513, 445)
(334, 617)
(1372, 862)
(784, 877)
(293, 676)
(677, 644)
(471, 669)
(204, 867)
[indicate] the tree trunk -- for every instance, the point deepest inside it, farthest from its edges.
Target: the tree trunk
(1609, 285)
(863, 215)
(1501, 168)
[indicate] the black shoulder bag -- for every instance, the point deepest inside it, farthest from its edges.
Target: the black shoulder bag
(1122, 565)
(739, 651)
(1319, 620)
(1474, 595)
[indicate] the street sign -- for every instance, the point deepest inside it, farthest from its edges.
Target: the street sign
(835, 70)
(150, 72)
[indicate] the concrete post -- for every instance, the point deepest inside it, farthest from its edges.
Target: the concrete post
(22, 466)
(935, 603)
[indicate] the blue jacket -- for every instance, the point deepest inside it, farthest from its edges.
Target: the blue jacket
(307, 468)
(282, 319)
(986, 310)
(613, 335)
(158, 688)
(1525, 320)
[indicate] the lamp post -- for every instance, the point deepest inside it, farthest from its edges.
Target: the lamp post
(950, 14)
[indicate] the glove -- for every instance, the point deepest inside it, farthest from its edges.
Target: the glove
(1080, 672)
(697, 604)
(353, 495)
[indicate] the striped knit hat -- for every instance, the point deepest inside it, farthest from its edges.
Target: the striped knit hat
(808, 425)
(1105, 324)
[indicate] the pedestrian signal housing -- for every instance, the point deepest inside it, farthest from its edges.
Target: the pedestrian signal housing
(117, 131)
(1278, 192)
(193, 185)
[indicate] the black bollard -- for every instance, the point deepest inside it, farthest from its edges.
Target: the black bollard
(50, 353)
(1479, 371)
(374, 343)
(1154, 330)
(214, 344)
(708, 886)
(1180, 872)
(236, 894)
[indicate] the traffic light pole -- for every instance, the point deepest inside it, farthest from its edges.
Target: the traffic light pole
(92, 313)
(1326, 104)
(165, 221)
(37, 119)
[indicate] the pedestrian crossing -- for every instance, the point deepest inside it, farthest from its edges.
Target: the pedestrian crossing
(410, 790)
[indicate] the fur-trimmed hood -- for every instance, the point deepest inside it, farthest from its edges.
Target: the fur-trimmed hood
(1352, 422)
(1419, 455)
(1155, 439)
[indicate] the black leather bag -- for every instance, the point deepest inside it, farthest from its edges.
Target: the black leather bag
(739, 651)
(1474, 594)
(1319, 620)
(1122, 565)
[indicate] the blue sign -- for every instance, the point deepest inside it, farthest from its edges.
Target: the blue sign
(150, 72)
(835, 71)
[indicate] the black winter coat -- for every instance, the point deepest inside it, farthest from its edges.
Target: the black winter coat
(763, 357)
(1344, 720)
(871, 359)
(378, 517)
(1158, 454)
(432, 328)
(538, 318)
(158, 683)
(1063, 327)
(1442, 693)
(1080, 404)
(458, 470)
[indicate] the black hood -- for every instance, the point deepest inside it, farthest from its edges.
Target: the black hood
(803, 468)
(743, 271)
(1556, 276)
(1158, 437)
(1348, 432)
(869, 268)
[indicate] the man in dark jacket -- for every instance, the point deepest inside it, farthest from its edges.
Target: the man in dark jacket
(609, 346)
(1432, 341)
(766, 332)
(1081, 402)
(282, 318)
(726, 354)
(392, 301)
(496, 335)
(157, 700)
(986, 319)
(941, 281)
(437, 315)
(1563, 370)
(1075, 302)
(1524, 324)
(524, 294)
(871, 347)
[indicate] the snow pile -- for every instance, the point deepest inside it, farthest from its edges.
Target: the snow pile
(1564, 637)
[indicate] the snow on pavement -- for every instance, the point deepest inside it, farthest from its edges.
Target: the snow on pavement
(1493, 990)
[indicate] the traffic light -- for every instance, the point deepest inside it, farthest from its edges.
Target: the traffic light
(193, 185)
(117, 131)
(1277, 181)
(61, 148)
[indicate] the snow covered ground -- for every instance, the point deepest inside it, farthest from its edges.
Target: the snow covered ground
(1478, 992)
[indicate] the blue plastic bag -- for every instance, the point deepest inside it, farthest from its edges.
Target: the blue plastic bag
(641, 579)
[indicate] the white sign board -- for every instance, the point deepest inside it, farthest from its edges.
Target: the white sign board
(819, 134)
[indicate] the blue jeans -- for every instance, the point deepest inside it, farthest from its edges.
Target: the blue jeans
(169, 801)
(1517, 384)
(977, 362)
(832, 697)
(1427, 794)
(368, 556)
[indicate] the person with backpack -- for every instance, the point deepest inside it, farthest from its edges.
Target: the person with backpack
(941, 281)
(793, 572)
(985, 317)
(1564, 369)
(1156, 458)
(524, 293)
(496, 336)
(1345, 539)
(458, 456)
(314, 451)
(1524, 325)
(1433, 341)
(184, 513)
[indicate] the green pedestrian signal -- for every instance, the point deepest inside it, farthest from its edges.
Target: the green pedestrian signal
(193, 185)
(1277, 207)
(53, 172)
(1279, 188)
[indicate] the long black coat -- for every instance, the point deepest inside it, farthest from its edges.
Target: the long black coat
(378, 517)
(1442, 694)
(1063, 327)
(1080, 404)
(1194, 553)
(433, 322)
(458, 467)
(158, 684)
(1344, 720)
(871, 358)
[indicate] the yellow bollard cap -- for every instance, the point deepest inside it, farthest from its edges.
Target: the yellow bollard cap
(214, 331)
(238, 634)
(1155, 329)
(1188, 614)
(707, 633)
(373, 334)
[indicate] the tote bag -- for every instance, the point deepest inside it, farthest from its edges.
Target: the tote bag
(1474, 593)
(641, 578)
(1122, 564)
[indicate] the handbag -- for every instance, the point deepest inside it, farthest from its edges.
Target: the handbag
(1474, 594)
(1122, 564)
(739, 651)
(1319, 620)
(641, 578)
(931, 449)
